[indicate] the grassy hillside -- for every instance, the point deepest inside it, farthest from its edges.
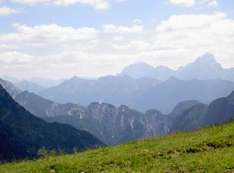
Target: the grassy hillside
(208, 150)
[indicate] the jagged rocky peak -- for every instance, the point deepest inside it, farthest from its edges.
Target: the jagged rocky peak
(204, 67)
(96, 105)
(99, 110)
(123, 108)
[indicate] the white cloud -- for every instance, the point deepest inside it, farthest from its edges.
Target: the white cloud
(62, 51)
(16, 58)
(5, 11)
(98, 4)
(136, 28)
(48, 37)
(190, 3)
(187, 3)
(61, 48)
(180, 22)
(210, 2)
(184, 36)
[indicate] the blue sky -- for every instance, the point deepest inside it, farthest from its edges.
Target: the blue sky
(150, 12)
(98, 37)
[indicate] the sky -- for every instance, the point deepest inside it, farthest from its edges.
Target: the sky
(92, 38)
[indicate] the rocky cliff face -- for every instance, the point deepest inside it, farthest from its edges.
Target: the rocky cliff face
(112, 125)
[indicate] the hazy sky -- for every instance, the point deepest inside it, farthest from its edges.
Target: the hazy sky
(63, 38)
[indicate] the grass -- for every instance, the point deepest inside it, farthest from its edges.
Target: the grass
(208, 150)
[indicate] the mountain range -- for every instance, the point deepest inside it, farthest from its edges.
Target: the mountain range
(204, 67)
(186, 116)
(141, 94)
(144, 87)
(112, 125)
(23, 135)
(114, 109)
(115, 125)
(115, 90)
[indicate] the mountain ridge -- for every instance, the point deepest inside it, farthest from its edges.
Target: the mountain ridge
(21, 128)
(141, 94)
(109, 122)
(205, 67)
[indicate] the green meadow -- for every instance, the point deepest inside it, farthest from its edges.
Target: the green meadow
(207, 150)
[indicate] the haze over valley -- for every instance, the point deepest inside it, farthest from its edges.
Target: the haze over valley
(133, 104)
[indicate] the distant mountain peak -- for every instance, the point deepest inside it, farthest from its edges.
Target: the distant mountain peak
(74, 78)
(139, 70)
(206, 58)
(204, 67)
(140, 64)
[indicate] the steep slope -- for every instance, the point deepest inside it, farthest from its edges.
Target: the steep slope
(10, 87)
(219, 111)
(208, 150)
(45, 108)
(183, 106)
(190, 119)
(10, 146)
(32, 133)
